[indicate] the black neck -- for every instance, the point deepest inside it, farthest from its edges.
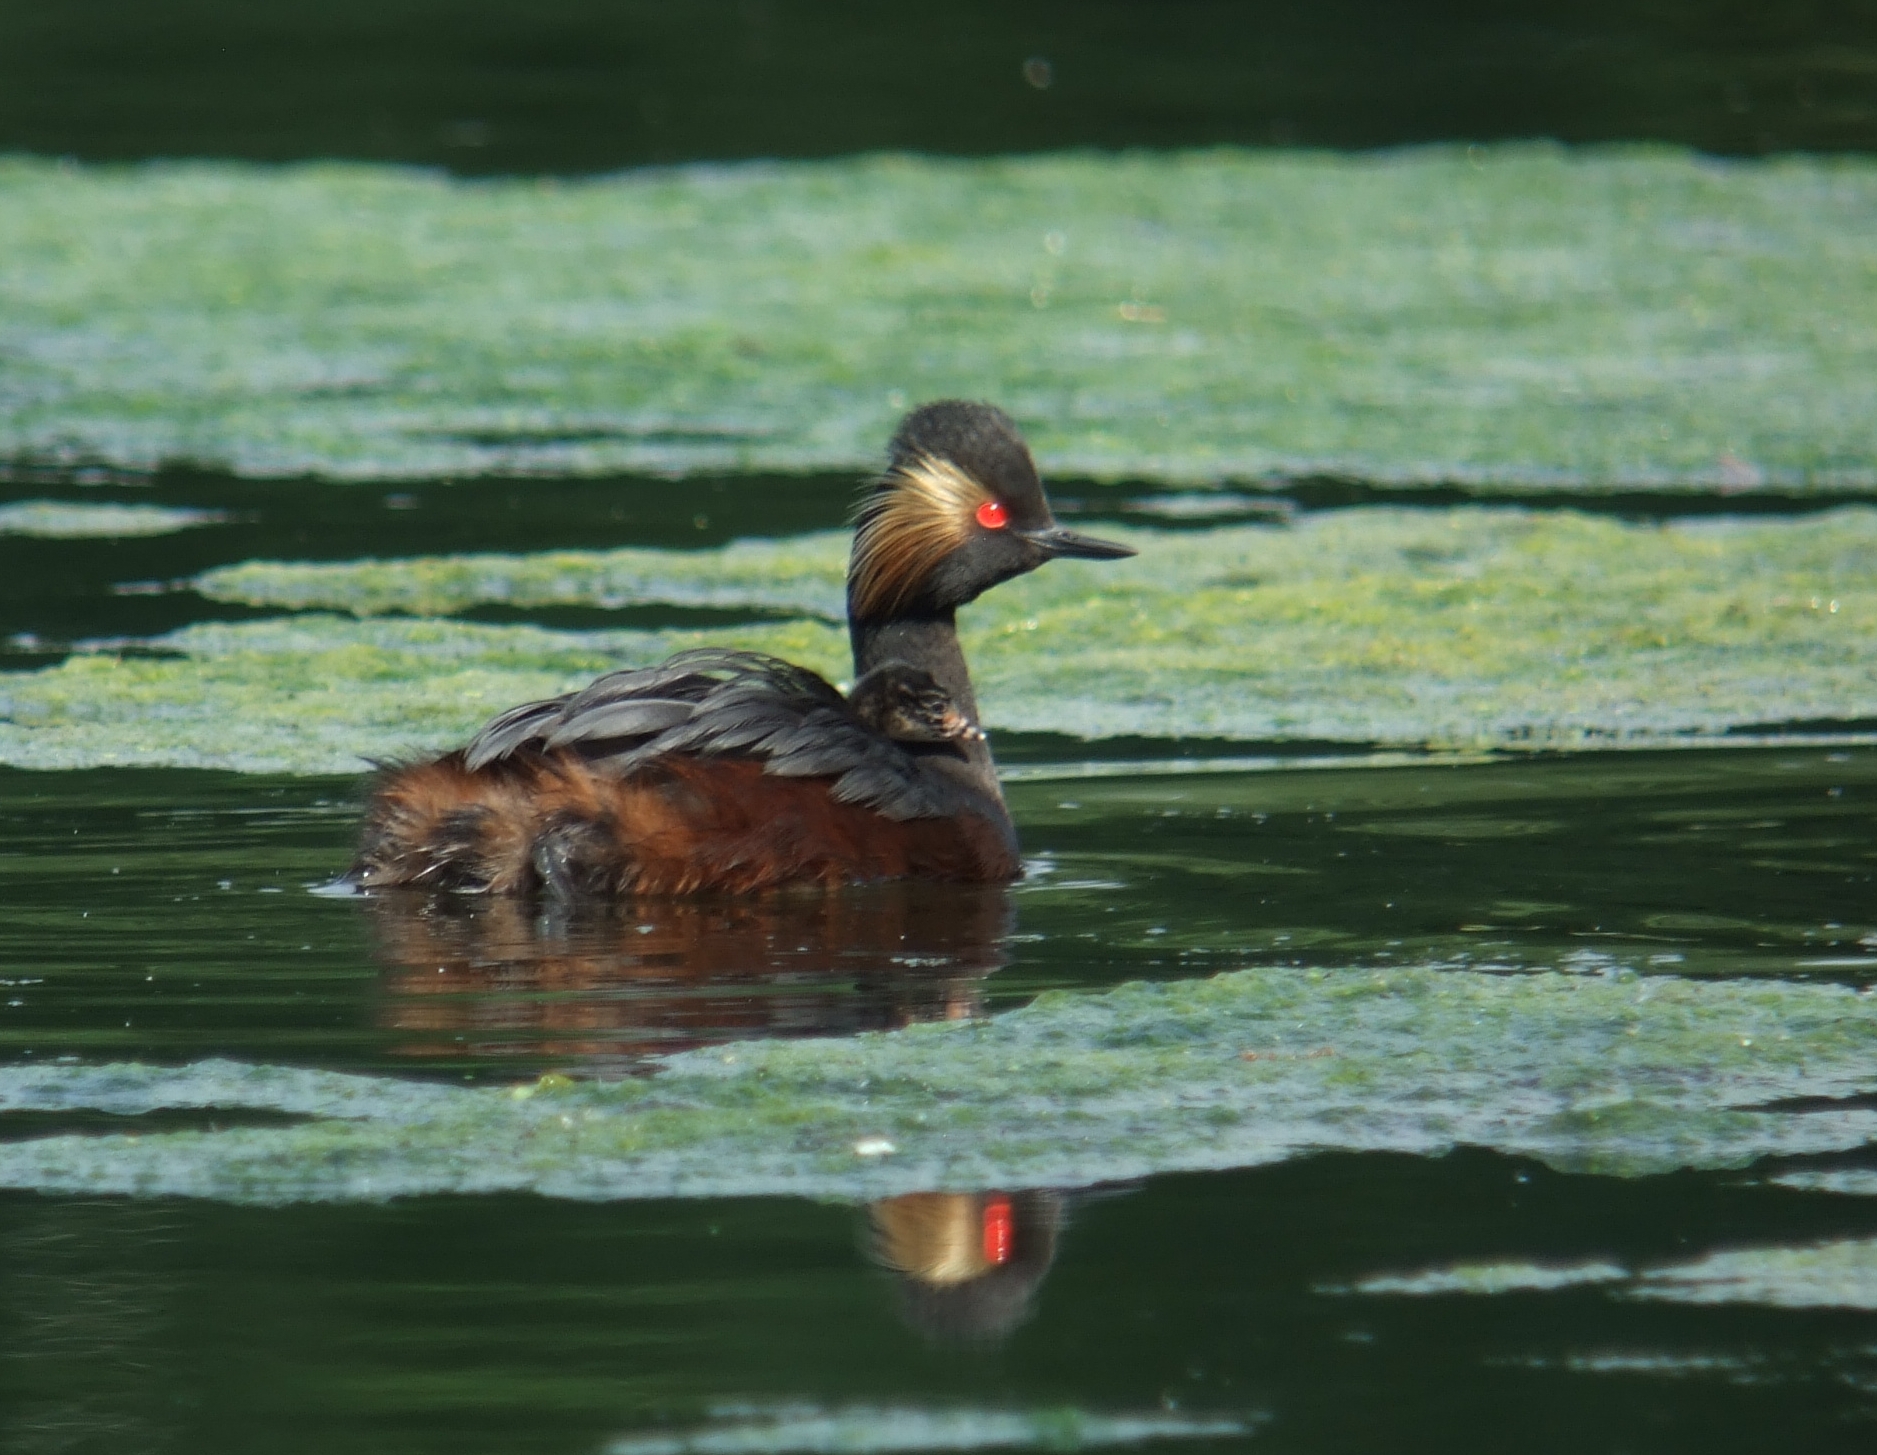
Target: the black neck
(929, 642)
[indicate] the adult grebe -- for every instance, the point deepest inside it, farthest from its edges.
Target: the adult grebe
(734, 771)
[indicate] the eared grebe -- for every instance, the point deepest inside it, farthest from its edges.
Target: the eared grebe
(733, 771)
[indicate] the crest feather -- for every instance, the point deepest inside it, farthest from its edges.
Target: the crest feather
(918, 515)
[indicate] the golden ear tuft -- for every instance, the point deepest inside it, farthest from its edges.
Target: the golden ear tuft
(920, 513)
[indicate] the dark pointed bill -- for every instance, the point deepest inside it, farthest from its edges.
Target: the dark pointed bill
(1059, 542)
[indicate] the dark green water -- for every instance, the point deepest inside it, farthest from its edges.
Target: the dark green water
(165, 915)
(573, 86)
(511, 1325)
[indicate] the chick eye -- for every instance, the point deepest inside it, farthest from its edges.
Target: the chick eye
(992, 515)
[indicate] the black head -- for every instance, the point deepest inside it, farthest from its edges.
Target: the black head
(959, 509)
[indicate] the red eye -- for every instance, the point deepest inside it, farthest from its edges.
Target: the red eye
(992, 515)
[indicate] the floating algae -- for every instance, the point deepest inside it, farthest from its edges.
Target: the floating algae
(69, 520)
(318, 695)
(1623, 1075)
(803, 575)
(1851, 1181)
(1504, 315)
(1838, 1274)
(880, 1430)
(1485, 1278)
(1471, 627)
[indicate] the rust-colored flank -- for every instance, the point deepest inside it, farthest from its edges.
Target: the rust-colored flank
(685, 825)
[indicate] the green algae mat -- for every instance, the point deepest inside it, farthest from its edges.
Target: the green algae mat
(1615, 1074)
(68, 520)
(1509, 315)
(1470, 627)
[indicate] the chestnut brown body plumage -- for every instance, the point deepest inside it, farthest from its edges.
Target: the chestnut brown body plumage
(733, 771)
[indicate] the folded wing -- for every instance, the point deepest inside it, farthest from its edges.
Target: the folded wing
(721, 703)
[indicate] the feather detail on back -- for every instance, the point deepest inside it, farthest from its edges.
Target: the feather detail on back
(919, 514)
(717, 769)
(715, 703)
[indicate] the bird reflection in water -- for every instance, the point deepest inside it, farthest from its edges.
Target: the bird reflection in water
(491, 983)
(966, 1264)
(495, 984)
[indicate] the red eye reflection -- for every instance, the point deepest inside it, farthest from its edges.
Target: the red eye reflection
(1000, 1226)
(992, 515)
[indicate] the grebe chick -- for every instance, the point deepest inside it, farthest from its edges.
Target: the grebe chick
(732, 771)
(906, 704)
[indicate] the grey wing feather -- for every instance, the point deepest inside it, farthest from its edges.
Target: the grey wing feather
(627, 719)
(639, 685)
(823, 743)
(718, 702)
(618, 704)
(507, 732)
(887, 779)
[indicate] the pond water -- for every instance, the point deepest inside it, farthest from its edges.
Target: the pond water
(1302, 1096)
(165, 915)
(1320, 1297)
(569, 86)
